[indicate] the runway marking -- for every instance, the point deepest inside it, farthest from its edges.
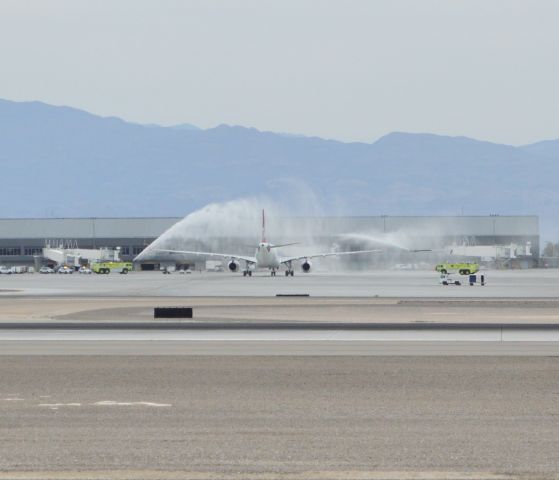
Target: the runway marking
(307, 475)
(13, 399)
(130, 404)
(105, 403)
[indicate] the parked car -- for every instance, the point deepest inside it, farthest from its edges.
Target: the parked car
(65, 270)
(18, 269)
(46, 270)
(5, 270)
(85, 270)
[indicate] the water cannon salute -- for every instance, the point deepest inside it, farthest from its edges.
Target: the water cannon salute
(383, 172)
(266, 256)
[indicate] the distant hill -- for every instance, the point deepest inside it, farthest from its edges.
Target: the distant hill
(547, 148)
(60, 161)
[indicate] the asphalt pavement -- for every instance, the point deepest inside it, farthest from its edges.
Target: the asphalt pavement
(534, 283)
(294, 403)
(235, 415)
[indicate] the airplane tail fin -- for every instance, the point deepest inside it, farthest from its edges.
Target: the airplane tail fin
(263, 227)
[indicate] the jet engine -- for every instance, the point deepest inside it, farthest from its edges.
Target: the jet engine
(306, 266)
(233, 265)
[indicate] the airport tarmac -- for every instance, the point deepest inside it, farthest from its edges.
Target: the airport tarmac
(278, 310)
(535, 283)
(279, 326)
(58, 300)
(268, 387)
(340, 417)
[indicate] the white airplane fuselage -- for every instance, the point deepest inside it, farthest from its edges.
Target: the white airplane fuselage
(266, 256)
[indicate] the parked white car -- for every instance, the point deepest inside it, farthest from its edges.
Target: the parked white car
(5, 270)
(85, 270)
(65, 270)
(18, 269)
(46, 270)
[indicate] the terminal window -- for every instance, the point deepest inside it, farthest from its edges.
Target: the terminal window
(6, 251)
(33, 250)
(125, 250)
(137, 250)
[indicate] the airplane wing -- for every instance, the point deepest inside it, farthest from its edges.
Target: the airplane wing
(328, 254)
(211, 254)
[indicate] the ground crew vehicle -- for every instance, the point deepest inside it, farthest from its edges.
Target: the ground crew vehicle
(108, 267)
(445, 279)
(461, 268)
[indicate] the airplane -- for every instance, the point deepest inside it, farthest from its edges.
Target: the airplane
(266, 256)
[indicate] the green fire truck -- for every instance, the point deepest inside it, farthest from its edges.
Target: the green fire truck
(110, 266)
(461, 268)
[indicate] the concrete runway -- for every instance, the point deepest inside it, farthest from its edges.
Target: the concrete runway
(266, 339)
(279, 326)
(307, 348)
(411, 284)
(268, 403)
(343, 417)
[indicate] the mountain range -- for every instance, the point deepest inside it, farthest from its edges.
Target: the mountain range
(61, 161)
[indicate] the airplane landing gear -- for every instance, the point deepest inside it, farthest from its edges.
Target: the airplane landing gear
(289, 270)
(247, 270)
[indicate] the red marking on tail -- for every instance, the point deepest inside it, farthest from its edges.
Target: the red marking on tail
(263, 227)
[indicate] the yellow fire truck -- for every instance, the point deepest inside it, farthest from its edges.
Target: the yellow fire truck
(461, 268)
(108, 267)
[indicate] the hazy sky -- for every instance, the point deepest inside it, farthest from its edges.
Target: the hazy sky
(350, 70)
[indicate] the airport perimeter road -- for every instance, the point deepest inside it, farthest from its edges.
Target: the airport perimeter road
(228, 416)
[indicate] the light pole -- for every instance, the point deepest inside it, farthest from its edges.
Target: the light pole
(93, 232)
(495, 235)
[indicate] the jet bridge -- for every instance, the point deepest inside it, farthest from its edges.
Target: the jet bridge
(74, 256)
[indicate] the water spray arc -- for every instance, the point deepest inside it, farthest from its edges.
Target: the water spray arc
(266, 255)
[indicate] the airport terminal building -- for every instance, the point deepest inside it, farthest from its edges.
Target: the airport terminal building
(22, 239)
